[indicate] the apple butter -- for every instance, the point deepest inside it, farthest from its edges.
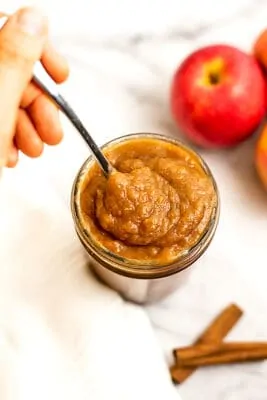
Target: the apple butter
(156, 204)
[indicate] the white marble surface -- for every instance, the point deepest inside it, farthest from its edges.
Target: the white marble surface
(128, 52)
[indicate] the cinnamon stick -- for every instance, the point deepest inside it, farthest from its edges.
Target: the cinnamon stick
(214, 333)
(207, 349)
(224, 353)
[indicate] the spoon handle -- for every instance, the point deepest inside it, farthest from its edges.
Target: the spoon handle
(46, 83)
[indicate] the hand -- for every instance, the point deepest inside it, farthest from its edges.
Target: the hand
(28, 119)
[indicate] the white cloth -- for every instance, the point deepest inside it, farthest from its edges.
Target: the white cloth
(64, 335)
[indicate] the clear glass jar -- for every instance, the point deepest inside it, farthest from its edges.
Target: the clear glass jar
(136, 281)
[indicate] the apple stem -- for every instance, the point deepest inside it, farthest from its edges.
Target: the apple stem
(214, 78)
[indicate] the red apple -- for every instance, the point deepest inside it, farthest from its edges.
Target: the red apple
(218, 96)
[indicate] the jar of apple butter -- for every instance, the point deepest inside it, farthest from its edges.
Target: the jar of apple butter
(151, 219)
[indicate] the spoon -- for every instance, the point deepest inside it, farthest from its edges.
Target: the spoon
(46, 83)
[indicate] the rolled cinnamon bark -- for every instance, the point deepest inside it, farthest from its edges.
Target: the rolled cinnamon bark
(224, 353)
(214, 333)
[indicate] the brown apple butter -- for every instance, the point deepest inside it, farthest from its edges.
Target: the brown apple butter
(155, 206)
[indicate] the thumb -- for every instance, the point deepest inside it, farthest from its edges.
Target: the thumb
(21, 44)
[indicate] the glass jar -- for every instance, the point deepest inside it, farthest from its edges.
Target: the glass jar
(140, 282)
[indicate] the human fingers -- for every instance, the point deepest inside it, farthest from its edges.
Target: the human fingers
(22, 40)
(45, 118)
(26, 138)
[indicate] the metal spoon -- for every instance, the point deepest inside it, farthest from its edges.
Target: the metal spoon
(46, 83)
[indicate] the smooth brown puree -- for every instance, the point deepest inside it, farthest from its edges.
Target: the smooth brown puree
(155, 206)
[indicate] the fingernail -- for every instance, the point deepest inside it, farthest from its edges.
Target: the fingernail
(31, 21)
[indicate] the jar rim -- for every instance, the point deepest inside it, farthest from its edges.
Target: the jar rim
(141, 268)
